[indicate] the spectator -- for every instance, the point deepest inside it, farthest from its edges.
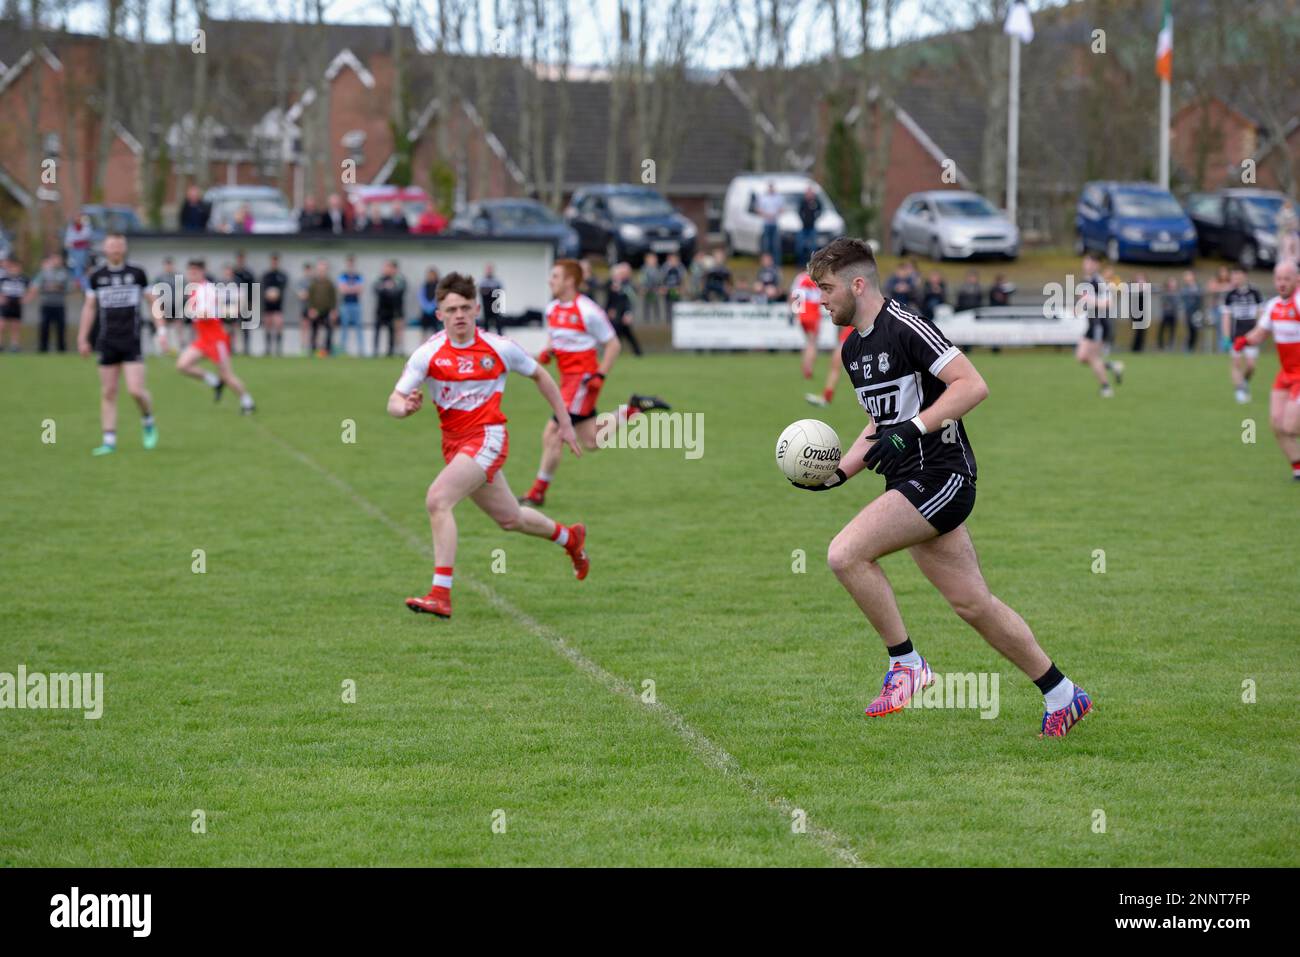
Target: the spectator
(1216, 292)
(810, 209)
(698, 269)
(674, 281)
(351, 286)
(309, 218)
(194, 212)
(371, 220)
(322, 308)
(170, 285)
(16, 290)
(242, 221)
(247, 321)
(618, 304)
(52, 282)
(1167, 332)
(1138, 304)
(490, 291)
(394, 220)
(301, 289)
(970, 295)
(769, 206)
(431, 222)
(1001, 291)
(769, 276)
(1288, 234)
(390, 304)
(717, 281)
(934, 295)
(429, 302)
(274, 282)
(336, 219)
(590, 286)
(901, 286)
(652, 288)
(1192, 303)
(77, 239)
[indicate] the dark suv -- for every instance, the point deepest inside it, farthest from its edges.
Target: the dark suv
(1238, 224)
(626, 222)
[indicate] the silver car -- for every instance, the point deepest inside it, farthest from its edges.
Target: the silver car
(952, 224)
(271, 214)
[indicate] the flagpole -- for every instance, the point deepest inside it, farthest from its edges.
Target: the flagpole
(1013, 130)
(1164, 134)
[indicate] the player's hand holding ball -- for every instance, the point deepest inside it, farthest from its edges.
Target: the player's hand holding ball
(808, 454)
(892, 444)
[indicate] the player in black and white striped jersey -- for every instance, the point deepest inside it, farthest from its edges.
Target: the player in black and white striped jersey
(915, 386)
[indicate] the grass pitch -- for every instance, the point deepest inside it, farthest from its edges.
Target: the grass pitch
(224, 690)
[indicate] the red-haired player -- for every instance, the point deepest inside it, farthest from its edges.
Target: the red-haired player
(466, 369)
(577, 328)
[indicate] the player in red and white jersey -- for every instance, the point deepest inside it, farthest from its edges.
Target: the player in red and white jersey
(1281, 317)
(583, 343)
(204, 307)
(466, 370)
(806, 304)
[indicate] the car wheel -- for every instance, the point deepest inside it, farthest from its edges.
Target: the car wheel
(896, 243)
(611, 252)
(936, 250)
(1112, 250)
(1249, 257)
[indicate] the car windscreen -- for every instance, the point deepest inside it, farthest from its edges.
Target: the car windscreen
(638, 204)
(524, 216)
(970, 207)
(264, 209)
(1145, 205)
(1262, 211)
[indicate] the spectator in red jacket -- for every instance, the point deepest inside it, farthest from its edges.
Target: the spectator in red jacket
(431, 222)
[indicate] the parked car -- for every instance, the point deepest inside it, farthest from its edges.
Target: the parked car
(952, 224)
(742, 226)
(624, 222)
(270, 212)
(1238, 224)
(412, 199)
(110, 219)
(517, 219)
(1133, 222)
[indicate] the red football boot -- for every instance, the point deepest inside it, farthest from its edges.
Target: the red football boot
(437, 602)
(578, 538)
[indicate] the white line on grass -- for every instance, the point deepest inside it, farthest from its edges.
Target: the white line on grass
(706, 750)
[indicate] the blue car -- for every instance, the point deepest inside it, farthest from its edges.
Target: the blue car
(1133, 222)
(516, 219)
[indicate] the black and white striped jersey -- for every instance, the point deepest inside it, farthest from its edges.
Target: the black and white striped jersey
(895, 369)
(1243, 308)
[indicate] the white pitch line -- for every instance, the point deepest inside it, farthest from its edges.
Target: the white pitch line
(713, 756)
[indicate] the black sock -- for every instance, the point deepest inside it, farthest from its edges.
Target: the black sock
(1050, 679)
(903, 648)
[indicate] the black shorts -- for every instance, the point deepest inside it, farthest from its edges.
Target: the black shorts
(114, 352)
(576, 417)
(944, 499)
(1098, 330)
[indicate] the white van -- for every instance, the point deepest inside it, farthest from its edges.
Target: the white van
(742, 227)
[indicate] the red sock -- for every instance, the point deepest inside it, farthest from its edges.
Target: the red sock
(441, 581)
(1295, 467)
(828, 394)
(539, 486)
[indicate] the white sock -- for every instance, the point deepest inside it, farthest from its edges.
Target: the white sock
(442, 581)
(1060, 696)
(910, 660)
(246, 401)
(563, 538)
(212, 379)
(544, 476)
(110, 439)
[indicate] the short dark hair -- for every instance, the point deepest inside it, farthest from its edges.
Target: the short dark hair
(455, 282)
(841, 254)
(196, 264)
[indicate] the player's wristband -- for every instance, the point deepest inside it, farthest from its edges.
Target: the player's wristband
(916, 421)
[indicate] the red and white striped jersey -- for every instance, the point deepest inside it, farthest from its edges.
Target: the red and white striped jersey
(576, 329)
(806, 298)
(203, 308)
(1281, 317)
(466, 382)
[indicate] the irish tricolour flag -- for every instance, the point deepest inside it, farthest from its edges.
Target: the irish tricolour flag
(1165, 45)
